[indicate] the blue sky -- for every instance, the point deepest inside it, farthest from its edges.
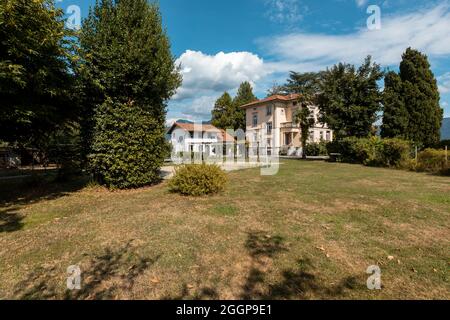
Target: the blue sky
(219, 44)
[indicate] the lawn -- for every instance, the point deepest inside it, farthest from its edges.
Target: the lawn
(309, 232)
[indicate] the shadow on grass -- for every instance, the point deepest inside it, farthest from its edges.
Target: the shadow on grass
(105, 276)
(296, 283)
(36, 188)
(10, 220)
(16, 193)
(204, 293)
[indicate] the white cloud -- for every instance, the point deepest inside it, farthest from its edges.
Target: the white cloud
(285, 11)
(444, 83)
(208, 74)
(194, 108)
(426, 30)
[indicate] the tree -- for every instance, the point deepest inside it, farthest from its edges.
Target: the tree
(227, 112)
(36, 85)
(127, 71)
(306, 84)
(395, 115)
(244, 95)
(276, 89)
(421, 98)
(349, 98)
(127, 145)
(221, 114)
(306, 121)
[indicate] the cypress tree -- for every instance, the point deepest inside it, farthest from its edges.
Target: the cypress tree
(128, 76)
(421, 98)
(221, 114)
(395, 117)
(244, 95)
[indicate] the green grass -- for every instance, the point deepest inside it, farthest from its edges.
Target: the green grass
(310, 232)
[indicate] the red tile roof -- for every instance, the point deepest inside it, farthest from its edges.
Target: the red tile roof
(190, 127)
(277, 97)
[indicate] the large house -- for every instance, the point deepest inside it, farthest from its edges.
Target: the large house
(199, 138)
(271, 128)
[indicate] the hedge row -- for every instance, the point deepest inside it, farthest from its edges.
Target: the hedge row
(372, 151)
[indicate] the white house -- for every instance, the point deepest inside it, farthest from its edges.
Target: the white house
(199, 138)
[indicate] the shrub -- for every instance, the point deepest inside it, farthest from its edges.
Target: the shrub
(128, 146)
(433, 161)
(372, 151)
(198, 179)
(443, 144)
(396, 152)
(316, 149)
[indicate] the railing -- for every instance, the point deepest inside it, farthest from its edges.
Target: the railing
(289, 125)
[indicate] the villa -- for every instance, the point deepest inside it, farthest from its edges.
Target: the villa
(271, 129)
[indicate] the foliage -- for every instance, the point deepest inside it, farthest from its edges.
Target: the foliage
(227, 112)
(349, 98)
(244, 95)
(306, 84)
(433, 161)
(221, 115)
(128, 146)
(126, 63)
(421, 98)
(372, 151)
(275, 89)
(395, 116)
(316, 149)
(198, 179)
(443, 144)
(305, 119)
(36, 85)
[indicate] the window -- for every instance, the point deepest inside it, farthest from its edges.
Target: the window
(311, 136)
(287, 139)
(180, 139)
(255, 120)
(269, 128)
(328, 136)
(255, 137)
(269, 110)
(321, 135)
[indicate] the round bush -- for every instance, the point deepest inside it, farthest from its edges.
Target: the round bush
(198, 179)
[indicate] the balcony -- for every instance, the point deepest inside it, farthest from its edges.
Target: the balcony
(289, 125)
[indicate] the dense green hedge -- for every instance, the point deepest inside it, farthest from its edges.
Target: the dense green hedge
(128, 146)
(316, 149)
(372, 151)
(198, 179)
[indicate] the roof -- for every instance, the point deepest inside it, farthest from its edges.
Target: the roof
(190, 127)
(276, 97)
(205, 128)
(226, 136)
